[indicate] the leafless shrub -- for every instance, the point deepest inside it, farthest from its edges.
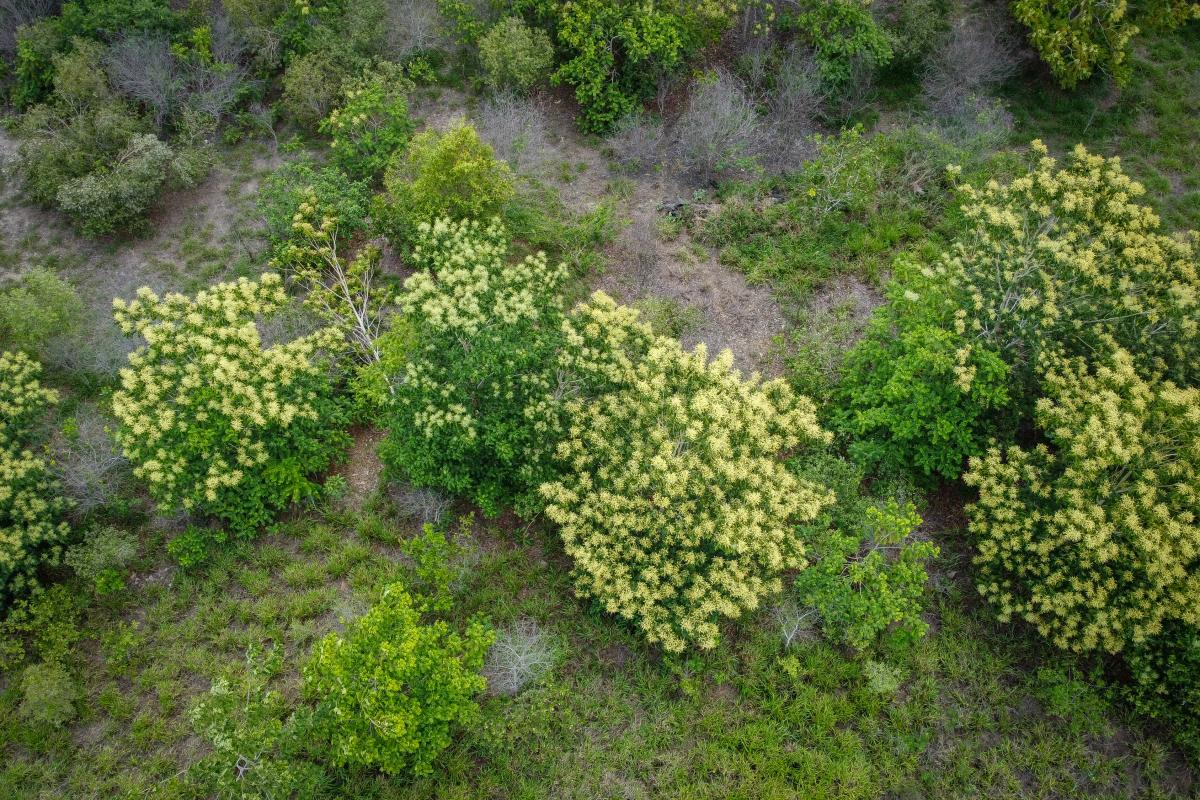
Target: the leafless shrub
(212, 89)
(15, 13)
(719, 132)
(143, 68)
(228, 45)
(796, 105)
(975, 55)
(88, 461)
(638, 250)
(516, 129)
(94, 352)
(638, 143)
(412, 26)
(521, 654)
(423, 505)
(794, 623)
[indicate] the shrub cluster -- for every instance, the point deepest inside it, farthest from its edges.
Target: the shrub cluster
(471, 407)
(673, 503)
(514, 55)
(371, 123)
(211, 419)
(390, 689)
(31, 507)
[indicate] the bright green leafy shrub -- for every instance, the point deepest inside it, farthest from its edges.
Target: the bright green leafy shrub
(451, 175)
(1079, 39)
(616, 51)
(868, 575)
(514, 55)
(31, 504)
(1093, 536)
(1164, 682)
(919, 399)
(472, 404)
(291, 184)
(843, 35)
(391, 691)
(212, 420)
(673, 502)
(371, 123)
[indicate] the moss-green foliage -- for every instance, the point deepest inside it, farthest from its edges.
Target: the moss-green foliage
(515, 56)
(371, 123)
(312, 87)
(1163, 682)
(472, 409)
(452, 175)
(843, 35)
(1076, 40)
(36, 309)
(392, 690)
(32, 507)
(288, 186)
(48, 694)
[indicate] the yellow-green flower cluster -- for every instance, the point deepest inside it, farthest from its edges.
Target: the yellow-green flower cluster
(1061, 258)
(1094, 537)
(31, 503)
(204, 403)
(674, 503)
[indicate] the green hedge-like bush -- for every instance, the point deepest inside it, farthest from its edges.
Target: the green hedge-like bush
(371, 122)
(514, 55)
(391, 691)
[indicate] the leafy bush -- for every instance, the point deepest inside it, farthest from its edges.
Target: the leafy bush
(514, 55)
(290, 185)
(102, 557)
(843, 36)
(48, 694)
(615, 52)
(257, 745)
(472, 408)
(451, 175)
(371, 123)
(211, 419)
(920, 398)
(312, 87)
(31, 508)
(1092, 536)
(868, 580)
(391, 689)
(1078, 40)
(1164, 681)
(38, 308)
(913, 28)
(672, 501)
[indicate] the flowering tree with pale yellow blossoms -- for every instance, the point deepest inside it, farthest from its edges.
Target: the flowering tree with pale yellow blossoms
(673, 500)
(214, 421)
(1094, 536)
(31, 503)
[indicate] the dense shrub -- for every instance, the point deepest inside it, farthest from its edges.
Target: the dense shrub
(102, 557)
(843, 35)
(48, 694)
(1076, 40)
(36, 309)
(211, 419)
(312, 87)
(371, 123)
(514, 55)
(672, 502)
(31, 507)
(451, 175)
(868, 575)
(1164, 681)
(913, 28)
(118, 198)
(392, 689)
(472, 403)
(290, 185)
(615, 54)
(920, 399)
(1092, 537)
